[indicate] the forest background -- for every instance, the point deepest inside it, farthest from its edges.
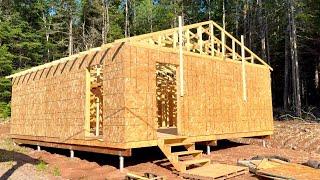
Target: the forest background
(285, 33)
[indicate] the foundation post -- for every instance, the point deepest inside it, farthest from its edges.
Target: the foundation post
(208, 150)
(71, 153)
(264, 143)
(38, 148)
(121, 165)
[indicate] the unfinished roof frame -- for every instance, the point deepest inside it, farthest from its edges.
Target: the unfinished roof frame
(193, 42)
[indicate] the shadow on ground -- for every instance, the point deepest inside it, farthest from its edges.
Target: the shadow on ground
(140, 155)
(221, 144)
(19, 158)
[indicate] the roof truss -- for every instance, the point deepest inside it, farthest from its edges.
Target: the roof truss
(206, 38)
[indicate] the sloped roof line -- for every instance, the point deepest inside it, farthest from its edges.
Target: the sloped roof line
(59, 61)
(139, 38)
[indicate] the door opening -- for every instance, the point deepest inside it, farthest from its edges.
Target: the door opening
(96, 100)
(166, 98)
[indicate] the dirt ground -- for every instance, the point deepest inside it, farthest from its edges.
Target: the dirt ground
(297, 141)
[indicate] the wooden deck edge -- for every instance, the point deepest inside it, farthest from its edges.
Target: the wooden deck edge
(96, 149)
(115, 148)
(229, 136)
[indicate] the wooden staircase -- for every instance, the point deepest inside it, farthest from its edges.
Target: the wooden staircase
(182, 160)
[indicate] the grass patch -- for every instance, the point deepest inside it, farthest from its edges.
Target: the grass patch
(7, 144)
(41, 166)
(56, 171)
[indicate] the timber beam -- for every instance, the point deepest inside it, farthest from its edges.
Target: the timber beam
(96, 149)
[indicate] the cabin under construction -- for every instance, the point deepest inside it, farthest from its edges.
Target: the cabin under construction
(177, 87)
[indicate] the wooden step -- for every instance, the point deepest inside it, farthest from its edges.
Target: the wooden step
(183, 153)
(179, 144)
(195, 161)
(173, 137)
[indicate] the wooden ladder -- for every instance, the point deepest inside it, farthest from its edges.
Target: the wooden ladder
(182, 160)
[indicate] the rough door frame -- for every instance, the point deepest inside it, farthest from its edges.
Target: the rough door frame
(87, 103)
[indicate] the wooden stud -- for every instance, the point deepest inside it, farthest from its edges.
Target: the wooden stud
(239, 43)
(223, 44)
(168, 31)
(181, 57)
(187, 35)
(233, 50)
(87, 103)
(244, 84)
(175, 39)
(212, 39)
(97, 116)
(200, 42)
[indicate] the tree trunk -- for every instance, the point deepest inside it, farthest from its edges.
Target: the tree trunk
(250, 19)
(294, 59)
(134, 23)
(103, 29)
(237, 19)
(127, 31)
(108, 20)
(209, 9)
(70, 38)
(151, 16)
(286, 73)
(267, 39)
(261, 17)
(84, 41)
(224, 15)
(175, 14)
(47, 35)
(316, 75)
(245, 19)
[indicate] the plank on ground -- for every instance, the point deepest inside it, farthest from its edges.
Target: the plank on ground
(215, 171)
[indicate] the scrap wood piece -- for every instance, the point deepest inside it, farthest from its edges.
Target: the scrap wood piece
(146, 176)
(313, 163)
(215, 171)
(277, 169)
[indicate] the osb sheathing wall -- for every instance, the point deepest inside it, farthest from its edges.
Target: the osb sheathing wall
(50, 103)
(213, 101)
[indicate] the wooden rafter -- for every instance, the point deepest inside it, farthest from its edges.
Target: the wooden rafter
(200, 38)
(60, 61)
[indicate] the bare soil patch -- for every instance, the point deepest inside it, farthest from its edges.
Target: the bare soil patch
(26, 163)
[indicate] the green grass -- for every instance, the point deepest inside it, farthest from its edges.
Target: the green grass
(7, 144)
(41, 166)
(56, 171)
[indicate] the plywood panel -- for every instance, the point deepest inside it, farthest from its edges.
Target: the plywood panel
(213, 101)
(50, 103)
